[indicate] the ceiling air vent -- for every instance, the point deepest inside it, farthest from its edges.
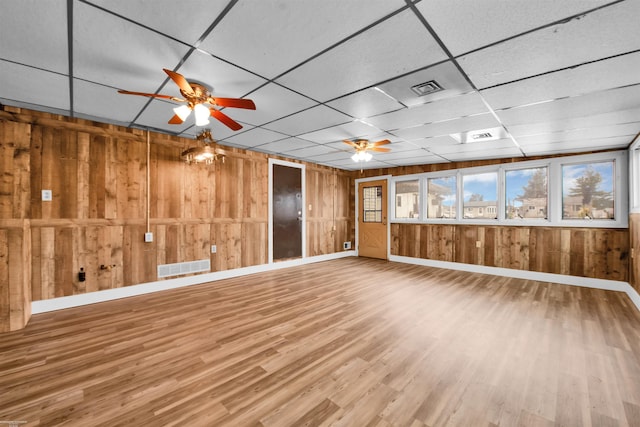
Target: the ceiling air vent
(426, 88)
(480, 135)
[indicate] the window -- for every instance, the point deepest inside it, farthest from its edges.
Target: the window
(526, 193)
(588, 190)
(407, 206)
(372, 200)
(441, 197)
(480, 191)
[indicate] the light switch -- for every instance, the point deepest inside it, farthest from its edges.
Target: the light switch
(47, 196)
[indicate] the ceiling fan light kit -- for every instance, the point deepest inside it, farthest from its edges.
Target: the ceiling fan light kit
(363, 146)
(204, 153)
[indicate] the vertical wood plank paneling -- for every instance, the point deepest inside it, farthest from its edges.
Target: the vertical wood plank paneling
(5, 304)
(19, 255)
(64, 264)
(634, 248)
(585, 252)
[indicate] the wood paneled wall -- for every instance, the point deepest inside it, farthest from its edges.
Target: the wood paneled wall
(601, 253)
(97, 174)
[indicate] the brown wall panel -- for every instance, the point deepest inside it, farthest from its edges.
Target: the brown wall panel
(585, 252)
(634, 269)
(98, 215)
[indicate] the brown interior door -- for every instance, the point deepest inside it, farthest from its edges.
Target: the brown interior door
(287, 212)
(372, 219)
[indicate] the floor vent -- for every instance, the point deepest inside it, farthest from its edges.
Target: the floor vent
(168, 270)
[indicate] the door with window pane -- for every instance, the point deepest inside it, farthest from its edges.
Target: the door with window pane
(372, 219)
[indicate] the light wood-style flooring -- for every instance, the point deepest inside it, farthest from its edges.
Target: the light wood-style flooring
(350, 342)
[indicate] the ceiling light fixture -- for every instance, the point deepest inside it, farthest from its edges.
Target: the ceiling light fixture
(361, 156)
(203, 152)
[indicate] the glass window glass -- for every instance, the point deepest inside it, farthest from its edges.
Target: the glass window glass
(588, 190)
(372, 200)
(526, 193)
(441, 197)
(407, 206)
(480, 195)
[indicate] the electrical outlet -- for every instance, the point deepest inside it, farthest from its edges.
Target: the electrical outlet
(346, 245)
(148, 237)
(478, 244)
(214, 249)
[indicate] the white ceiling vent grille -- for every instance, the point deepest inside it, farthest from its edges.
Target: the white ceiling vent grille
(426, 88)
(481, 135)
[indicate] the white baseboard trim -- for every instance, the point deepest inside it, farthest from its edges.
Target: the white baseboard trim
(588, 282)
(61, 303)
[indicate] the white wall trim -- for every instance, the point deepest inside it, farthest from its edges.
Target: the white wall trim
(587, 282)
(61, 303)
(151, 287)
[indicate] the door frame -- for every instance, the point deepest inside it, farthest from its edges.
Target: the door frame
(373, 178)
(304, 210)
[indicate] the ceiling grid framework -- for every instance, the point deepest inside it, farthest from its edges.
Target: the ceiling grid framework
(558, 77)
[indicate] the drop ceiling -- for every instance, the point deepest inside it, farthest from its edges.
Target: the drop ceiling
(555, 76)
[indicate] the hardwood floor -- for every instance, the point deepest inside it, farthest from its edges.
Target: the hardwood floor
(351, 342)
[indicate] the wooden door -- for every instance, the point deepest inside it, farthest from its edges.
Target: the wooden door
(287, 212)
(372, 219)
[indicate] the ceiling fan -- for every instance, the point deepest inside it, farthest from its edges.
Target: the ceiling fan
(363, 145)
(197, 96)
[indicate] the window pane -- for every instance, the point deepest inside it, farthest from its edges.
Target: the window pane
(587, 191)
(526, 193)
(407, 199)
(441, 197)
(480, 195)
(372, 201)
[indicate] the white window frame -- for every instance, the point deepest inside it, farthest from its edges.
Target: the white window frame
(624, 163)
(392, 191)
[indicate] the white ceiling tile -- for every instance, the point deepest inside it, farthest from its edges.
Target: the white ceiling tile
(572, 43)
(395, 155)
(44, 88)
(483, 154)
(577, 81)
(112, 51)
(418, 160)
(102, 101)
(630, 129)
(158, 15)
(579, 106)
(446, 75)
(284, 145)
(577, 146)
(366, 103)
(226, 80)
(309, 120)
(253, 137)
(488, 147)
(332, 156)
(466, 25)
(273, 36)
(398, 45)
(349, 130)
(438, 141)
(575, 123)
(34, 33)
(273, 102)
(450, 108)
(483, 121)
(315, 150)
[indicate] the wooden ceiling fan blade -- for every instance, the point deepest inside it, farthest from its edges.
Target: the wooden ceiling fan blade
(175, 120)
(351, 143)
(228, 121)
(150, 95)
(235, 103)
(179, 79)
(379, 149)
(382, 142)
